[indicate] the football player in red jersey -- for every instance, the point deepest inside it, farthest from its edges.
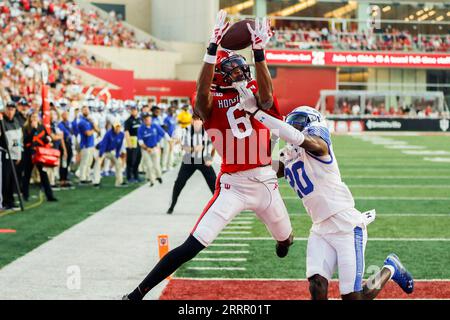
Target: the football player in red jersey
(247, 180)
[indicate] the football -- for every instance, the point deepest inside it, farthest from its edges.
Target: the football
(238, 37)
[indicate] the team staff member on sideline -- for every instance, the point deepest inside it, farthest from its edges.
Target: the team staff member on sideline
(134, 154)
(199, 154)
(111, 147)
(149, 135)
(184, 117)
(170, 124)
(13, 135)
(86, 129)
(65, 126)
(34, 135)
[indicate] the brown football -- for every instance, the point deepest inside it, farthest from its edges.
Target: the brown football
(238, 37)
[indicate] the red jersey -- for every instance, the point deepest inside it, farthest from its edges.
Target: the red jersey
(242, 142)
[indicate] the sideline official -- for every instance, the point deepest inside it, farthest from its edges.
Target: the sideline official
(198, 155)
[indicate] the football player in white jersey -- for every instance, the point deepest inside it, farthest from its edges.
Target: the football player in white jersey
(339, 232)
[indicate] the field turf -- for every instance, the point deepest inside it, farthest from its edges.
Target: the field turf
(411, 196)
(44, 220)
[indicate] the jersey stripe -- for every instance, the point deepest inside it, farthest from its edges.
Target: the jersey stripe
(210, 203)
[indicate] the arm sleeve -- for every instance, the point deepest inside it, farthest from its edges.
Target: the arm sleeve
(280, 128)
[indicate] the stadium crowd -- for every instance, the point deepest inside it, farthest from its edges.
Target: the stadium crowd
(95, 139)
(51, 32)
(347, 108)
(305, 36)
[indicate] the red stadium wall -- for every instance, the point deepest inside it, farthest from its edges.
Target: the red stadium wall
(121, 78)
(301, 86)
(163, 88)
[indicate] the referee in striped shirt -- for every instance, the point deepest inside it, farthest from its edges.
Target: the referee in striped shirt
(198, 155)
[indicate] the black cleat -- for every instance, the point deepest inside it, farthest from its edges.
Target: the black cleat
(159, 180)
(282, 247)
(170, 211)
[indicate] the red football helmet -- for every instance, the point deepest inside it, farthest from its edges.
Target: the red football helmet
(226, 62)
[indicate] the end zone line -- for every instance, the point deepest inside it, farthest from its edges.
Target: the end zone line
(281, 279)
(369, 239)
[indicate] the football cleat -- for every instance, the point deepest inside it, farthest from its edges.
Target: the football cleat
(282, 247)
(401, 276)
(125, 297)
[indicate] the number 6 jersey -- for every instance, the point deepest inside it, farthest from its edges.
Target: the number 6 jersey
(316, 180)
(241, 141)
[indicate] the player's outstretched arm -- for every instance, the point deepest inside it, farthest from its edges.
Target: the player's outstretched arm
(285, 131)
(260, 37)
(203, 102)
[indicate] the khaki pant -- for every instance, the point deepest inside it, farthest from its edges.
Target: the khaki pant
(167, 156)
(87, 156)
(111, 156)
(152, 164)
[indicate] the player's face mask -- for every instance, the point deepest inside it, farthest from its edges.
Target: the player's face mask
(236, 69)
(298, 121)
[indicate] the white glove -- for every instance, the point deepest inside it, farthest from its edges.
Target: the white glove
(220, 27)
(261, 35)
(246, 97)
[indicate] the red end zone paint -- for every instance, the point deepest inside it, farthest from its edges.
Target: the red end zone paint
(7, 231)
(182, 289)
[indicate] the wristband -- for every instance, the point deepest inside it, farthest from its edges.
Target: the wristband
(259, 55)
(209, 59)
(212, 49)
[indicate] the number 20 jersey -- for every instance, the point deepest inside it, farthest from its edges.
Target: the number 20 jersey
(241, 141)
(316, 180)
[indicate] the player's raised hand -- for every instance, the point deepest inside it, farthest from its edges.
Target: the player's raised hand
(261, 34)
(247, 100)
(219, 28)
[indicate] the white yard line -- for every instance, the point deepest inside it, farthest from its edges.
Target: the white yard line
(421, 177)
(443, 215)
(232, 223)
(235, 232)
(220, 259)
(387, 198)
(437, 159)
(238, 227)
(405, 186)
(370, 239)
(225, 251)
(218, 268)
(229, 245)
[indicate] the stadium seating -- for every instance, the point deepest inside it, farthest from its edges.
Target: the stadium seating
(306, 38)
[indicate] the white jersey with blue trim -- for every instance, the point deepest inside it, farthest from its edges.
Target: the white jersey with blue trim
(316, 180)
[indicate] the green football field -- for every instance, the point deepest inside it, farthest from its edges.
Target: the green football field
(42, 220)
(410, 192)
